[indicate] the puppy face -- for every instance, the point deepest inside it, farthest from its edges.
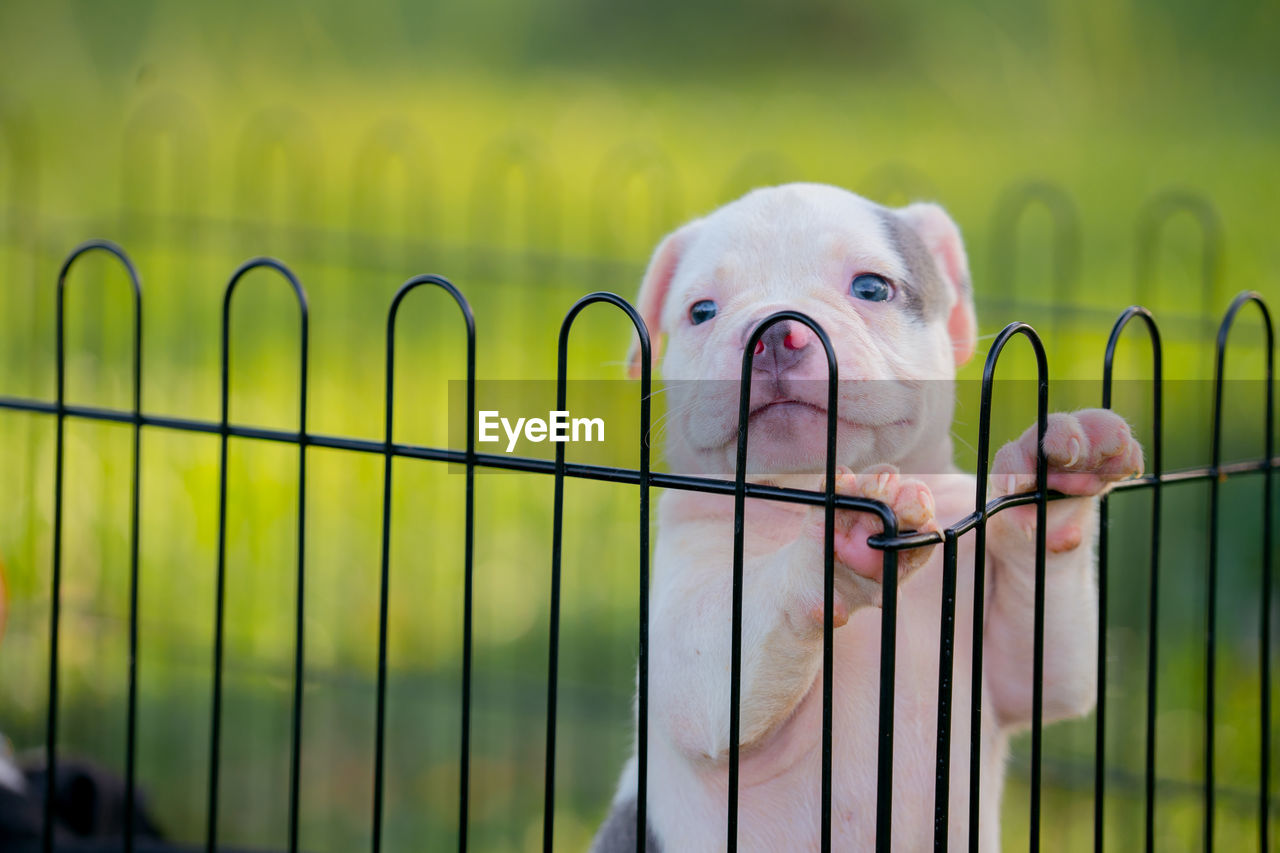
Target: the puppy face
(889, 287)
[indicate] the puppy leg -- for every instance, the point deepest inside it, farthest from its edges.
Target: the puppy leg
(860, 568)
(1086, 452)
(782, 613)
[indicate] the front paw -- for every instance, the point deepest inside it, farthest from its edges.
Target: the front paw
(1086, 452)
(860, 567)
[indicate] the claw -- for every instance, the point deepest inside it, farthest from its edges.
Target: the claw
(1074, 446)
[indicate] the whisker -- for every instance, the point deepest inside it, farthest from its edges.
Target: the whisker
(956, 436)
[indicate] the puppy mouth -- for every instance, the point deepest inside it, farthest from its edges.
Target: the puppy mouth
(797, 420)
(792, 405)
(786, 414)
(785, 404)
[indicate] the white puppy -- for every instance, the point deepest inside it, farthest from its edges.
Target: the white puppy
(891, 290)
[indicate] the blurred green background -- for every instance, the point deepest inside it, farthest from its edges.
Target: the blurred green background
(533, 153)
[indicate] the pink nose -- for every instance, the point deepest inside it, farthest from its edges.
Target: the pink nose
(782, 347)
(797, 338)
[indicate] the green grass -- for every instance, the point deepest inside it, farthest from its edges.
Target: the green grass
(533, 158)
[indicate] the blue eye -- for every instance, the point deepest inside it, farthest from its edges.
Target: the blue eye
(702, 311)
(871, 287)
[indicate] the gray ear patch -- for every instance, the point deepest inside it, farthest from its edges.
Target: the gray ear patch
(618, 834)
(925, 292)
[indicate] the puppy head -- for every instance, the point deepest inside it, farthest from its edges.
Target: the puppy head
(889, 287)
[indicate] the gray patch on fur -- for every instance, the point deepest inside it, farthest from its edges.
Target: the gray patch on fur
(925, 292)
(618, 833)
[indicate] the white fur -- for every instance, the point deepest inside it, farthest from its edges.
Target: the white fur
(798, 247)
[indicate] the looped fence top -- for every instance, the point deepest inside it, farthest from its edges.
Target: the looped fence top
(134, 417)
(303, 440)
(642, 701)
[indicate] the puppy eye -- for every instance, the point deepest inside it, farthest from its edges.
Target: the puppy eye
(871, 287)
(702, 311)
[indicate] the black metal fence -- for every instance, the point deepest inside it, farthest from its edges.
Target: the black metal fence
(891, 542)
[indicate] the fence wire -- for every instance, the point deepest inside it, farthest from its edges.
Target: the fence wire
(891, 542)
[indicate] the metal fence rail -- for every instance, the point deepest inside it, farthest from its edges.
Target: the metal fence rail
(891, 542)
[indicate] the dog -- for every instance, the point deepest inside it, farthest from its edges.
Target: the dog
(891, 289)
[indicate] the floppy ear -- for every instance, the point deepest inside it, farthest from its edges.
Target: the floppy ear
(653, 292)
(941, 237)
